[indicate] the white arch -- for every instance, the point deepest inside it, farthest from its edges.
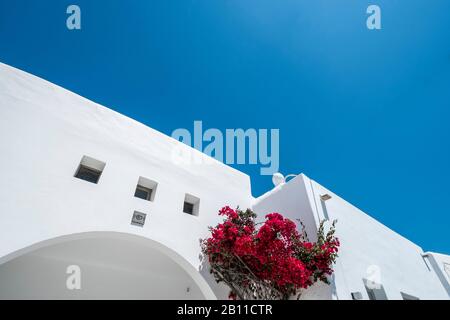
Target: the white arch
(174, 256)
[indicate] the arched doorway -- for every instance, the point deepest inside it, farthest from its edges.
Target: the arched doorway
(112, 266)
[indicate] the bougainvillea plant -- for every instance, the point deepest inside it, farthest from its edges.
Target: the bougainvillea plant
(270, 260)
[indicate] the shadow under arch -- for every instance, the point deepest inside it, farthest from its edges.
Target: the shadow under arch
(195, 275)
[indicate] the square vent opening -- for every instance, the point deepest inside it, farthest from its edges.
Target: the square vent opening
(138, 219)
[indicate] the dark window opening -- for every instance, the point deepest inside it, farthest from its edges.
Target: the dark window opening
(88, 174)
(191, 204)
(146, 189)
(188, 208)
(143, 193)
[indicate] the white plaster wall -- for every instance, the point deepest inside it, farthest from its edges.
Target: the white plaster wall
(291, 200)
(366, 242)
(440, 263)
(44, 132)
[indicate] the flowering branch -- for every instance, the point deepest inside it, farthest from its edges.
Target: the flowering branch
(272, 262)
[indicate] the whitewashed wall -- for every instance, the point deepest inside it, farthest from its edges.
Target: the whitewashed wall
(440, 263)
(46, 130)
(366, 245)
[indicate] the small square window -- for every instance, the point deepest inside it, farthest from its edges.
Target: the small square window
(145, 189)
(138, 219)
(90, 169)
(191, 205)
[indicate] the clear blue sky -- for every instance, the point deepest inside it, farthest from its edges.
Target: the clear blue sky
(365, 113)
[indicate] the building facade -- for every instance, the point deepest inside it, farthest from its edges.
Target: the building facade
(91, 193)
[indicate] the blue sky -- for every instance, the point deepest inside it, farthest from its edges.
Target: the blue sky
(365, 113)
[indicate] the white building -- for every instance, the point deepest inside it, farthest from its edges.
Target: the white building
(52, 222)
